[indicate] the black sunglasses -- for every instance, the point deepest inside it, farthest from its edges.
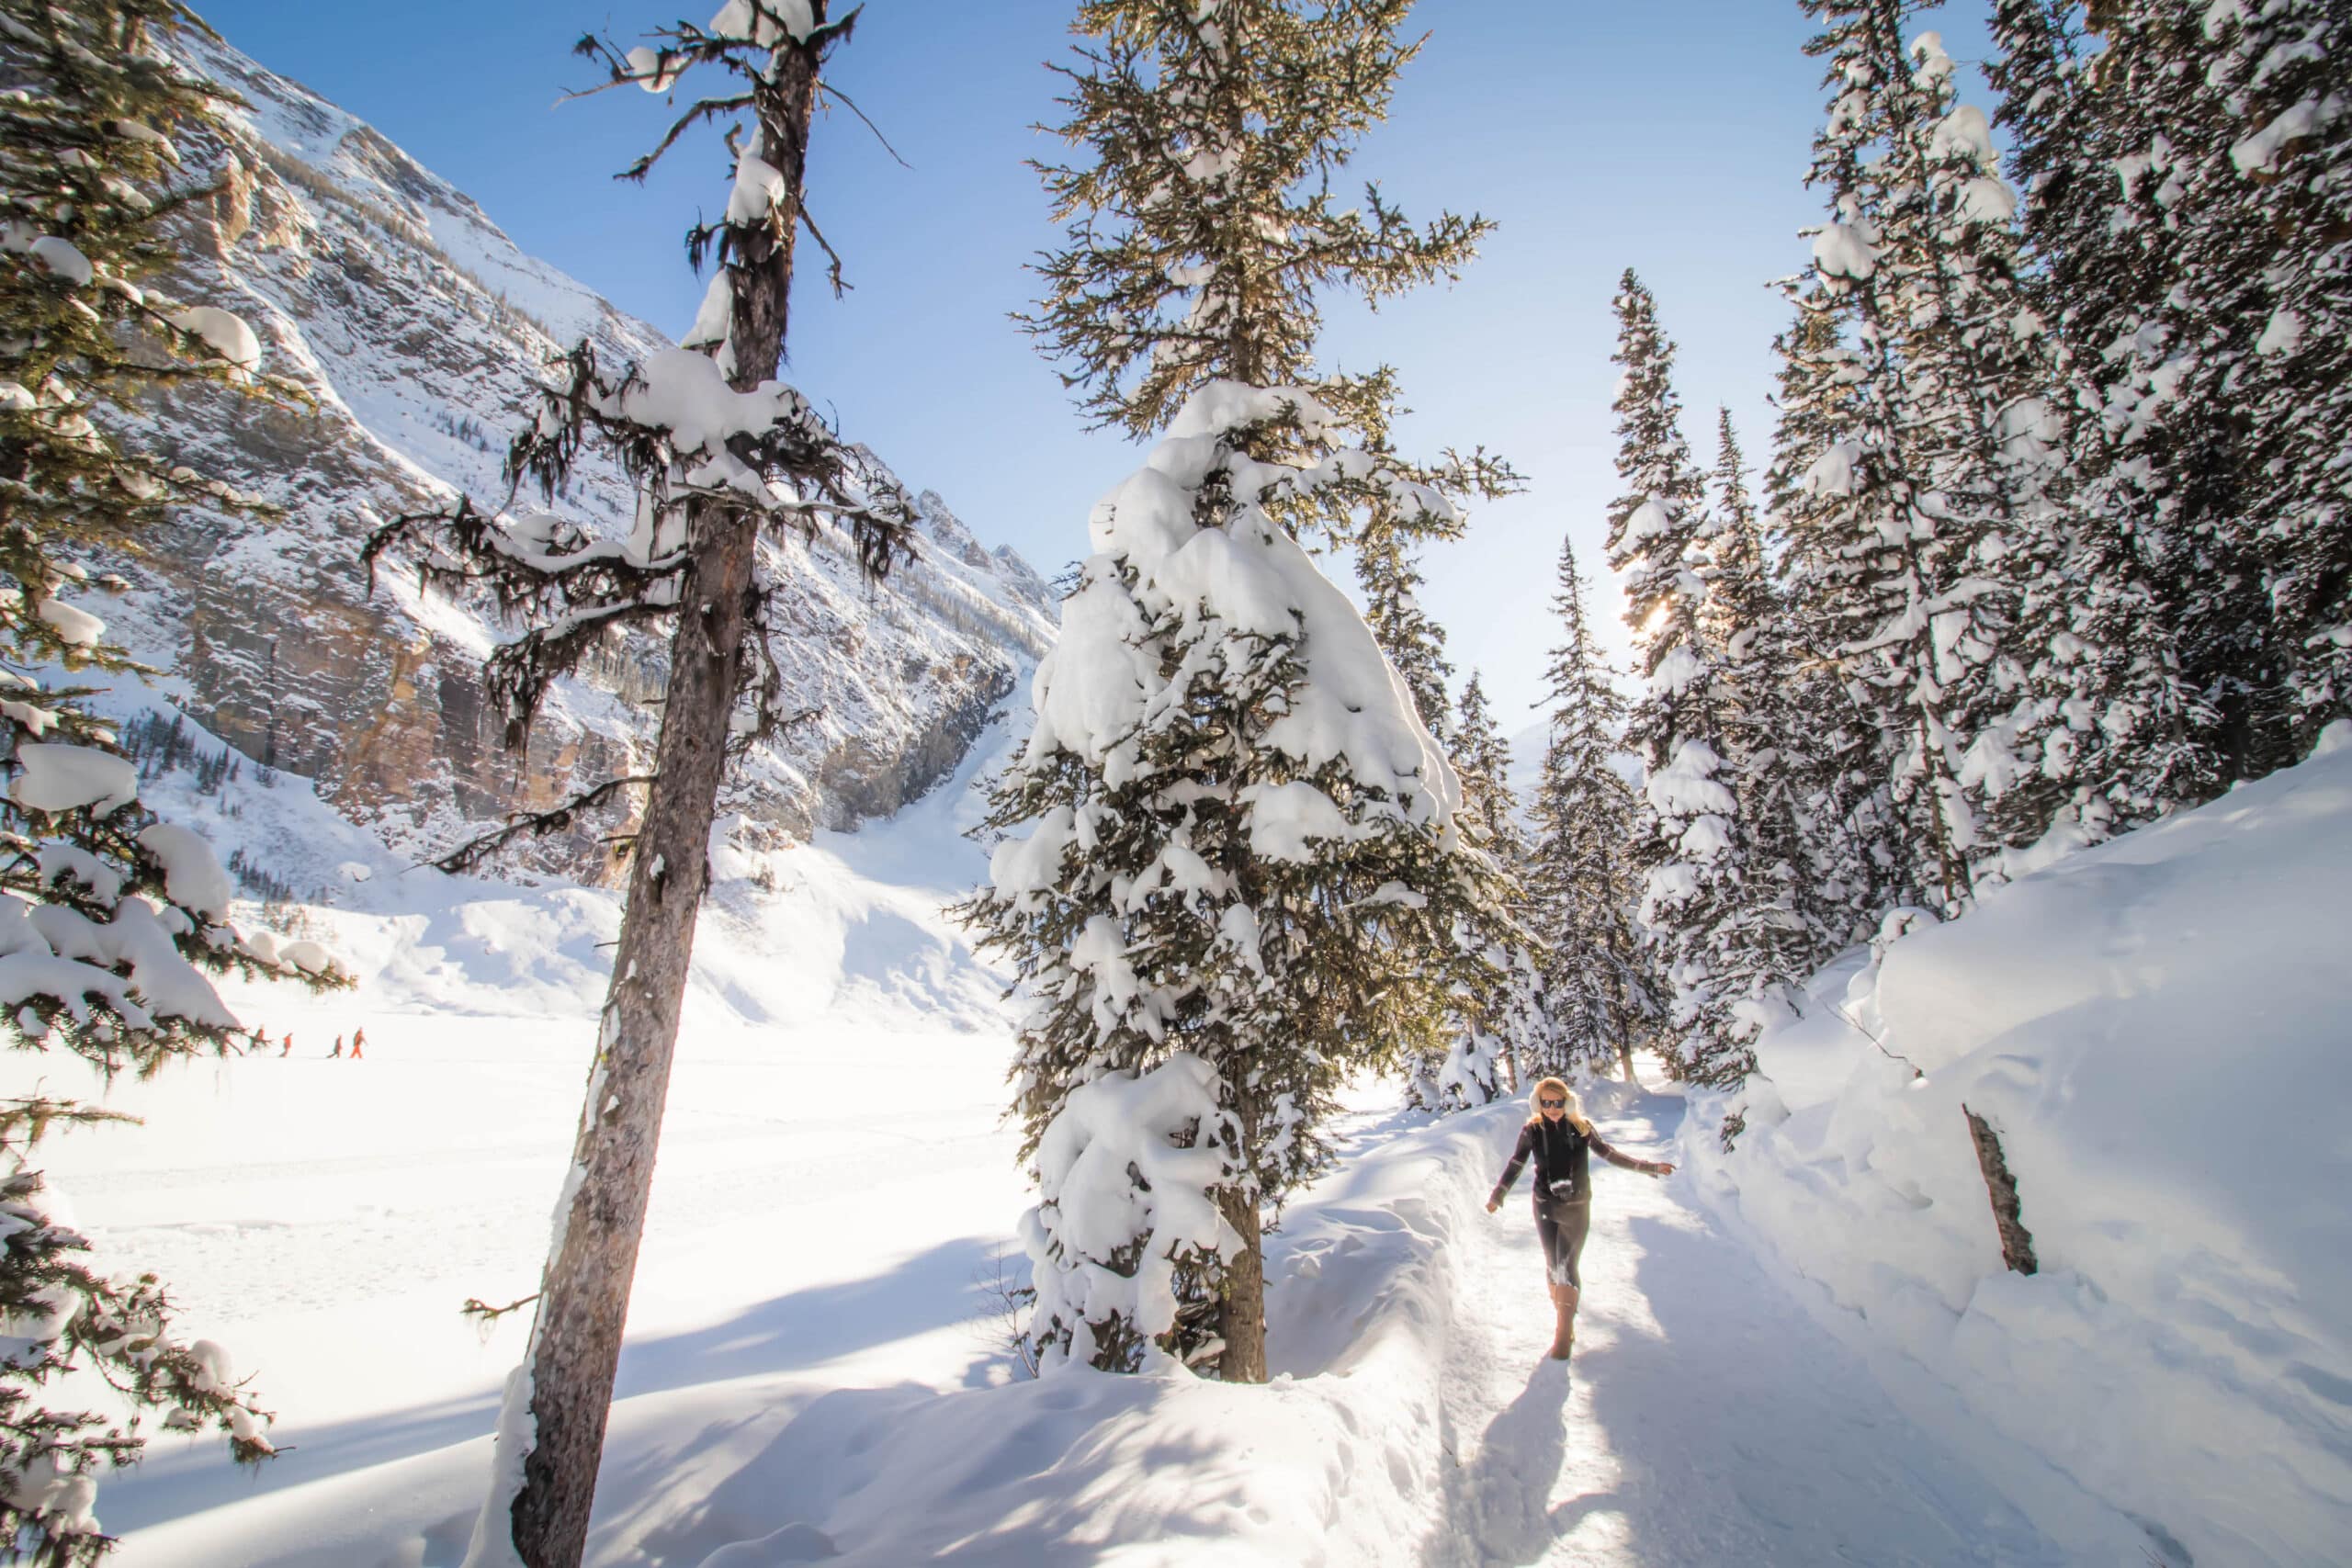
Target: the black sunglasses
(1548, 1103)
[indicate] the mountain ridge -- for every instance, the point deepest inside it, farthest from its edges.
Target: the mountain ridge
(418, 327)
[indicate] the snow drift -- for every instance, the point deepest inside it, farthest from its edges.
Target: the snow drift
(2156, 1030)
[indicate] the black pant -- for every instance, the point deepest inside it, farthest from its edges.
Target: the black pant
(1562, 1229)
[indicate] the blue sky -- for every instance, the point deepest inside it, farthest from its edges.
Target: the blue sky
(1667, 135)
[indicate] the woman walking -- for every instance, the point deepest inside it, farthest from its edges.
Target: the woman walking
(1559, 1137)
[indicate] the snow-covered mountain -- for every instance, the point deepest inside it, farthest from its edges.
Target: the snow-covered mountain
(417, 325)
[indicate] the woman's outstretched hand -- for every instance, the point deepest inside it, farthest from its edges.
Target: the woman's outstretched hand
(1661, 1167)
(1493, 1203)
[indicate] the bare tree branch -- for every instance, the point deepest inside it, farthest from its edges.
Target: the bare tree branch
(555, 819)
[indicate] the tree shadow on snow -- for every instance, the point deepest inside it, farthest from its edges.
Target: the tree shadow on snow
(932, 1289)
(1037, 1474)
(1743, 1432)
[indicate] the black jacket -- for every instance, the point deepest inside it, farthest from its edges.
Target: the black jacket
(1560, 1155)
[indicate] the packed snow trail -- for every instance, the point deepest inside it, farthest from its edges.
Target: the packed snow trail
(1705, 1418)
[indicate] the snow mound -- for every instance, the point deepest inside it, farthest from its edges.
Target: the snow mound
(2155, 1029)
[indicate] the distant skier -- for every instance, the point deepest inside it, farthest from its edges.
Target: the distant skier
(289, 1045)
(338, 1048)
(358, 1042)
(1559, 1137)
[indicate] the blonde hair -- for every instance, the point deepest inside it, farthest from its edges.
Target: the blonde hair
(1575, 1107)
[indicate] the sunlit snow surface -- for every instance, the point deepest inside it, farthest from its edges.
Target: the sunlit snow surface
(814, 1369)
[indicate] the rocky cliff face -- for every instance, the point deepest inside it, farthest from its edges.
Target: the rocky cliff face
(417, 327)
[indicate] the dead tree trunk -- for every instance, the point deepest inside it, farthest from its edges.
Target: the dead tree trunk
(576, 1338)
(2017, 1242)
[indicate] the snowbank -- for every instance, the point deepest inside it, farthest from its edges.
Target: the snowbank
(2156, 1030)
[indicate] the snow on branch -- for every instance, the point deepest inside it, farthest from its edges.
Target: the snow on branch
(746, 38)
(1127, 1174)
(65, 1318)
(110, 919)
(703, 455)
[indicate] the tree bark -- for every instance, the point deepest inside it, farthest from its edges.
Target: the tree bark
(2017, 1242)
(1241, 1308)
(576, 1336)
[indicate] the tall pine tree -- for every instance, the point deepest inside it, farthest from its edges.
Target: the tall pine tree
(1771, 936)
(1392, 607)
(1939, 484)
(1685, 851)
(1498, 1019)
(1450, 1059)
(1599, 984)
(1838, 758)
(1241, 873)
(2151, 266)
(2110, 732)
(2281, 68)
(729, 463)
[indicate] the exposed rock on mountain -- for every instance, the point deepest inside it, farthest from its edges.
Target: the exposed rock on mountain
(417, 325)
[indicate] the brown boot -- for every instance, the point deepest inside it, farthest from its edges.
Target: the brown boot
(1564, 1322)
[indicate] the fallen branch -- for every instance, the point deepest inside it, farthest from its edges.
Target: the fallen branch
(2017, 1242)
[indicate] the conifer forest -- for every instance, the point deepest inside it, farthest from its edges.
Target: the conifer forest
(1740, 611)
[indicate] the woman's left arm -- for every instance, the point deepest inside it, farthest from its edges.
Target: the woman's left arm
(1647, 1167)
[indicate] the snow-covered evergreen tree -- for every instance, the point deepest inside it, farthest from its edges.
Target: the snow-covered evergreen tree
(1946, 466)
(1415, 645)
(1240, 846)
(1392, 607)
(2153, 267)
(1656, 533)
(729, 464)
(1684, 851)
(1482, 757)
(2280, 67)
(1452, 1060)
(1498, 1019)
(1600, 991)
(1838, 759)
(2110, 731)
(111, 919)
(1771, 936)
(1240, 850)
(1738, 598)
